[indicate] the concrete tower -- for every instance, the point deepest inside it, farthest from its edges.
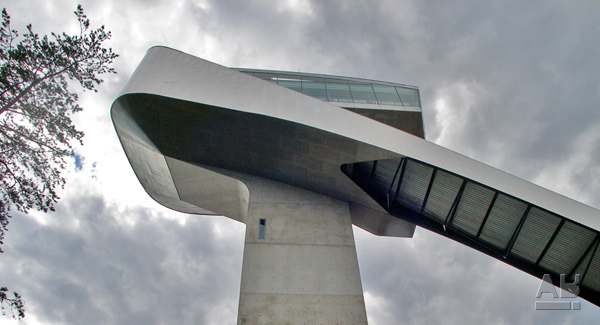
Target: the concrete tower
(301, 157)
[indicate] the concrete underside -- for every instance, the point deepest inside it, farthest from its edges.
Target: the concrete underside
(305, 270)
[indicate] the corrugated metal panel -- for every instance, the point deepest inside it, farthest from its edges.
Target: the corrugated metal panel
(567, 248)
(472, 208)
(537, 230)
(414, 184)
(384, 173)
(443, 192)
(503, 221)
(514, 231)
(584, 264)
(592, 276)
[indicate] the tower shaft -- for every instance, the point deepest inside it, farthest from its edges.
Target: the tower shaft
(300, 264)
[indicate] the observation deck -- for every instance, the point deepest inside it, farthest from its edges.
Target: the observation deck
(212, 140)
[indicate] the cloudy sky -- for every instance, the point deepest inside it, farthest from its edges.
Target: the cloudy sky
(514, 84)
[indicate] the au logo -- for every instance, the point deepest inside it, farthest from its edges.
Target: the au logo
(569, 290)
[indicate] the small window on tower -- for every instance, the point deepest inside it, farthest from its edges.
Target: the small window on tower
(262, 228)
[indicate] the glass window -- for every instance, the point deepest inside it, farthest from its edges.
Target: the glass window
(363, 93)
(266, 76)
(338, 91)
(262, 228)
(290, 81)
(314, 87)
(410, 97)
(386, 95)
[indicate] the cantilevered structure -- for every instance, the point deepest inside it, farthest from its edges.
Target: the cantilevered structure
(301, 157)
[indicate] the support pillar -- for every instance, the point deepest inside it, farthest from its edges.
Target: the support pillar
(300, 264)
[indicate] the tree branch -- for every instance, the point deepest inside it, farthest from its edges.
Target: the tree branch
(40, 144)
(19, 96)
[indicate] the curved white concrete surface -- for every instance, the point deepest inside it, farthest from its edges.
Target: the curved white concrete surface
(172, 74)
(205, 139)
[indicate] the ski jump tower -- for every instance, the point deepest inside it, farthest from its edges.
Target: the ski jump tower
(301, 157)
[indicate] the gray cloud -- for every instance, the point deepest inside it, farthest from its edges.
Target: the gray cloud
(90, 268)
(511, 84)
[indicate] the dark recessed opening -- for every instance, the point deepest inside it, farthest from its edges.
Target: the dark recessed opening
(262, 227)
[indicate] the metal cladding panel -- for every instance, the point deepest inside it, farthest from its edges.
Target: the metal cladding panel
(583, 264)
(503, 219)
(472, 208)
(384, 172)
(415, 183)
(444, 190)
(512, 230)
(535, 235)
(567, 248)
(591, 278)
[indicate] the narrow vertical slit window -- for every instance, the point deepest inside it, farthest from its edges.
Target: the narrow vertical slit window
(262, 228)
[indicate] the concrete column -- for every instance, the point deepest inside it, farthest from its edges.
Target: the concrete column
(301, 267)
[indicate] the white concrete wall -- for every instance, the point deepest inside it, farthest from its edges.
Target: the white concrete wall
(305, 271)
(170, 73)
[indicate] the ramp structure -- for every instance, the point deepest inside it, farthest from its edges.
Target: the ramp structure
(301, 157)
